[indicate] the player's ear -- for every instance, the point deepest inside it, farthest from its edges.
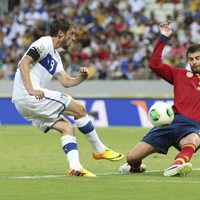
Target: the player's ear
(60, 33)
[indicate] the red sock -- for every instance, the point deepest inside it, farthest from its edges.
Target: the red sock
(135, 166)
(185, 154)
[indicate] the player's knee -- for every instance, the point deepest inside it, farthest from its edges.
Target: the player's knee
(81, 112)
(67, 129)
(192, 138)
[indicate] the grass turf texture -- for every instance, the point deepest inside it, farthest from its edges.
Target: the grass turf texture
(25, 151)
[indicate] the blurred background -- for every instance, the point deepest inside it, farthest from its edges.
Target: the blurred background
(114, 41)
(114, 37)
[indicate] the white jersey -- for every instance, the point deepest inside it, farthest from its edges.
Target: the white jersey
(41, 71)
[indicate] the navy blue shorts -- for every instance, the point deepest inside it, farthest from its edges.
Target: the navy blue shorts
(163, 138)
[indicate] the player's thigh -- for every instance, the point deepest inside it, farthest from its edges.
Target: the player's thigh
(192, 138)
(75, 109)
(64, 127)
(140, 151)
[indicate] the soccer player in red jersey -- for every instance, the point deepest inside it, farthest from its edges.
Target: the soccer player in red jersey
(184, 132)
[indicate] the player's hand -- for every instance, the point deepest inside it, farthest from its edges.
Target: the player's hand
(84, 72)
(165, 29)
(39, 94)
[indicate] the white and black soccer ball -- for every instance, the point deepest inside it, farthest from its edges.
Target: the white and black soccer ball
(161, 114)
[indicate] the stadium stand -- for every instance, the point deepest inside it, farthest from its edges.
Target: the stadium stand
(114, 37)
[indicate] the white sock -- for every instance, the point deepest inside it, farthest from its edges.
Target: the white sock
(86, 127)
(71, 151)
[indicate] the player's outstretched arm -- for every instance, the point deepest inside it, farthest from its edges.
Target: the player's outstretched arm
(68, 81)
(163, 70)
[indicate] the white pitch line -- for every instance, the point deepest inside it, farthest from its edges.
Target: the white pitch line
(60, 176)
(102, 174)
(37, 177)
(196, 169)
(164, 181)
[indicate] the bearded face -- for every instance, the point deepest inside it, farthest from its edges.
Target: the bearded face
(67, 41)
(194, 61)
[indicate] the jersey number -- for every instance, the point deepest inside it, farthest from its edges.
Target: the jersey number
(49, 63)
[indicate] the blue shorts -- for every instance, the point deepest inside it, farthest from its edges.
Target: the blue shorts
(163, 138)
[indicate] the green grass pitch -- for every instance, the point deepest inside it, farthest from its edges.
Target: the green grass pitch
(33, 167)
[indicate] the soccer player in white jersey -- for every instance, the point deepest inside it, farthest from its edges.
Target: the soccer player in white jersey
(45, 108)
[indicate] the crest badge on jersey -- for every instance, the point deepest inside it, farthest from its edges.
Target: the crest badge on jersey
(40, 49)
(189, 74)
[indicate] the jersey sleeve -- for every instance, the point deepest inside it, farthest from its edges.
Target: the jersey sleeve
(40, 48)
(165, 71)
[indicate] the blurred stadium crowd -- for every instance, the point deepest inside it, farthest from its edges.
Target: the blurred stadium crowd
(114, 37)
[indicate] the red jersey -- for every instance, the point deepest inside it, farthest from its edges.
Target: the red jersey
(186, 84)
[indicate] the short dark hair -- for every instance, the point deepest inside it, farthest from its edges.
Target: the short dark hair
(193, 48)
(60, 24)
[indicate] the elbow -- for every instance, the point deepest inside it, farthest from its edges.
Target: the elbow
(154, 63)
(65, 85)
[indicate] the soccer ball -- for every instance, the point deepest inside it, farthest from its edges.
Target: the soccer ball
(161, 114)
